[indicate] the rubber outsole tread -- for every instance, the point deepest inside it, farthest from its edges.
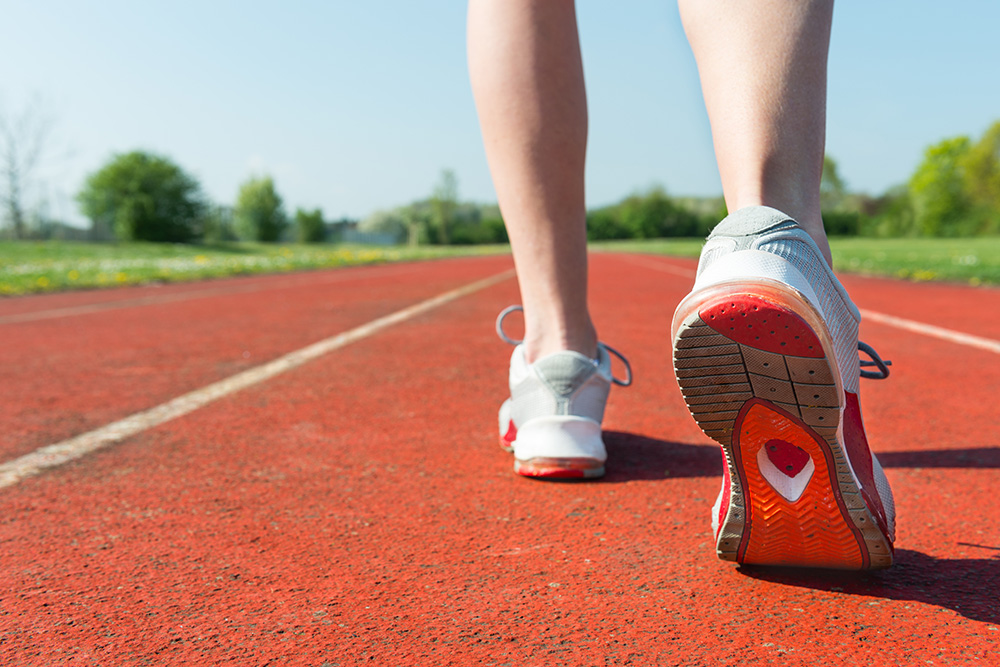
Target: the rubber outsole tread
(830, 525)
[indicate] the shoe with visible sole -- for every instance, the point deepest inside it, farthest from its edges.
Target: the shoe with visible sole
(766, 354)
(552, 420)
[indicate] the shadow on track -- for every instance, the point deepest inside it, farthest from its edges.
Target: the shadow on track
(966, 585)
(637, 457)
(985, 457)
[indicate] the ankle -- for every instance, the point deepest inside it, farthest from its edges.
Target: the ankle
(582, 340)
(809, 217)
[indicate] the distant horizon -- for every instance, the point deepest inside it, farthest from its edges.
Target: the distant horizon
(353, 108)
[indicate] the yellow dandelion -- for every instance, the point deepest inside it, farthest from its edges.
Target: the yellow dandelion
(42, 281)
(73, 275)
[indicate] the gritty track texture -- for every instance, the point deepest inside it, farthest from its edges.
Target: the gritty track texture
(358, 510)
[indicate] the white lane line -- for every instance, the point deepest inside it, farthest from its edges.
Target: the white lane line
(949, 335)
(186, 295)
(930, 330)
(59, 453)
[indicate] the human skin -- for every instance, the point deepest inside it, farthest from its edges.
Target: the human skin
(763, 72)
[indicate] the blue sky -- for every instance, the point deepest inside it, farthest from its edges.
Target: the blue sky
(355, 106)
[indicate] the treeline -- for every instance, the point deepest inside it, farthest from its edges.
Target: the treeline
(441, 219)
(954, 191)
(652, 215)
(141, 196)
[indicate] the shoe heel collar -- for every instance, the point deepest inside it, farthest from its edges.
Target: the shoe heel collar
(751, 221)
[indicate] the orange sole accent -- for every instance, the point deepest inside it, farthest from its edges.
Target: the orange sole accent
(813, 531)
(557, 468)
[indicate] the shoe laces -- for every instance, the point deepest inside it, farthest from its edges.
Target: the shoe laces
(883, 366)
(513, 341)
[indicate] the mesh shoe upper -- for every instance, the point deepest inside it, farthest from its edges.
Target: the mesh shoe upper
(770, 233)
(561, 384)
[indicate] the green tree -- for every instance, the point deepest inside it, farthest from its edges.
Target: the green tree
(603, 225)
(940, 202)
(259, 213)
(310, 226)
(144, 197)
(655, 215)
(981, 174)
(890, 215)
(982, 167)
(444, 203)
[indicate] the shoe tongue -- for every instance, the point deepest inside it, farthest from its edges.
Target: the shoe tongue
(750, 221)
(564, 372)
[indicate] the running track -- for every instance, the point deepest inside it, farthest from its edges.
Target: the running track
(356, 509)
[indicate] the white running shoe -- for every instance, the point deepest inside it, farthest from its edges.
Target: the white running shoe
(552, 420)
(766, 355)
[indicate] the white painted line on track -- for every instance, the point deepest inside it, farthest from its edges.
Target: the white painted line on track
(259, 285)
(933, 331)
(949, 335)
(59, 453)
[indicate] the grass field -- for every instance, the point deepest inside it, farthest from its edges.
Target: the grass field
(32, 267)
(971, 261)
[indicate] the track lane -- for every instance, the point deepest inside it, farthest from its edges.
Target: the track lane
(65, 376)
(972, 310)
(358, 509)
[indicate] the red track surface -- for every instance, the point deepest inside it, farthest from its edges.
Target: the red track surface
(357, 509)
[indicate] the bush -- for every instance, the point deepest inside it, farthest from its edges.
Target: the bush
(497, 230)
(646, 216)
(258, 213)
(474, 232)
(841, 223)
(310, 226)
(144, 197)
(603, 225)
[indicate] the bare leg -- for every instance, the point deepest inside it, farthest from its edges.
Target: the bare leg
(527, 78)
(763, 74)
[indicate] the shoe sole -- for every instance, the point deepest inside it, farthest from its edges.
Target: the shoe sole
(547, 467)
(552, 468)
(559, 468)
(756, 366)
